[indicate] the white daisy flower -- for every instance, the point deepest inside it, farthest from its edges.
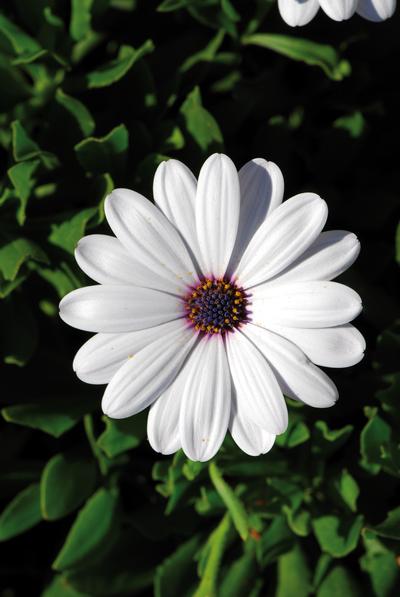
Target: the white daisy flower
(300, 12)
(213, 304)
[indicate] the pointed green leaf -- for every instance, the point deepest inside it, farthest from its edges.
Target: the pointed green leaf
(390, 527)
(336, 536)
(67, 481)
(303, 50)
(231, 501)
(294, 575)
(200, 124)
(67, 234)
(21, 514)
(90, 531)
(104, 154)
(78, 111)
(116, 69)
(122, 435)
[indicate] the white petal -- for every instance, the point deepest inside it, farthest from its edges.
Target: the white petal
(261, 191)
(298, 12)
(102, 355)
(150, 237)
(328, 257)
(248, 436)
(296, 375)
(206, 400)
(376, 10)
(217, 213)
(118, 308)
(163, 419)
(304, 304)
(283, 237)
(174, 190)
(258, 395)
(341, 346)
(105, 260)
(143, 378)
(339, 10)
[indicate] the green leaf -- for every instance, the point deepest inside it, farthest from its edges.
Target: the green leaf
(231, 501)
(15, 253)
(380, 563)
(212, 557)
(67, 481)
(54, 418)
(171, 5)
(327, 441)
(67, 234)
(25, 148)
(80, 18)
(90, 531)
(374, 442)
(104, 154)
(296, 434)
(21, 514)
(336, 536)
(205, 55)
(275, 541)
(294, 576)
(177, 571)
(20, 41)
(122, 435)
(21, 176)
(348, 489)
(238, 580)
(303, 50)
(354, 124)
(201, 126)
(59, 587)
(337, 583)
(116, 69)
(390, 527)
(78, 111)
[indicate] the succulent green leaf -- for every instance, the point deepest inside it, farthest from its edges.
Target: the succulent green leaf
(21, 514)
(116, 69)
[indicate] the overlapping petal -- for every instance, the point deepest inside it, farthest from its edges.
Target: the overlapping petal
(217, 213)
(103, 354)
(298, 12)
(104, 259)
(341, 346)
(206, 400)
(258, 395)
(250, 438)
(296, 375)
(339, 10)
(144, 377)
(150, 238)
(261, 191)
(174, 190)
(118, 308)
(376, 10)
(304, 304)
(283, 237)
(328, 257)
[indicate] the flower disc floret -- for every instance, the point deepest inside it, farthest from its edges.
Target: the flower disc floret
(217, 306)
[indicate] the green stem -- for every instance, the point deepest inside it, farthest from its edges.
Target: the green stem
(89, 429)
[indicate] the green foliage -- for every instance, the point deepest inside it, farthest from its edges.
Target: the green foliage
(88, 103)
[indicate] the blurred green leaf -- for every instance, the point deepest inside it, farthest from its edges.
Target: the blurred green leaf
(78, 111)
(238, 580)
(25, 148)
(122, 435)
(67, 234)
(354, 124)
(177, 571)
(296, 434)
(54, 418)
(21, 176)
(348, 489)
(59, 587)
(231, 501)
(200, 124)
(15, 253)
(66, 482)
(90, 530)
(104, 154)
(294, 576)
(337, 536)
(21, 514)
(80, 18)
(20, 42)
(390, 527)
(212, 556)
(339, 582)
(116, 69)
(304, 50)
(380, 563)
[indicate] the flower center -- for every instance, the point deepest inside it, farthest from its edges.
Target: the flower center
(217, 306)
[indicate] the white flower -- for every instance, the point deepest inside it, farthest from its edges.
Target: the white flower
(300, 12)
(213, 304)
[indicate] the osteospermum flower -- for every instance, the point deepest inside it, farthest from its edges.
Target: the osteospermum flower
(212, 304)
(300, 12)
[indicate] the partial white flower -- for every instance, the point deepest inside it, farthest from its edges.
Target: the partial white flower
(300, 12)
(213, 304)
